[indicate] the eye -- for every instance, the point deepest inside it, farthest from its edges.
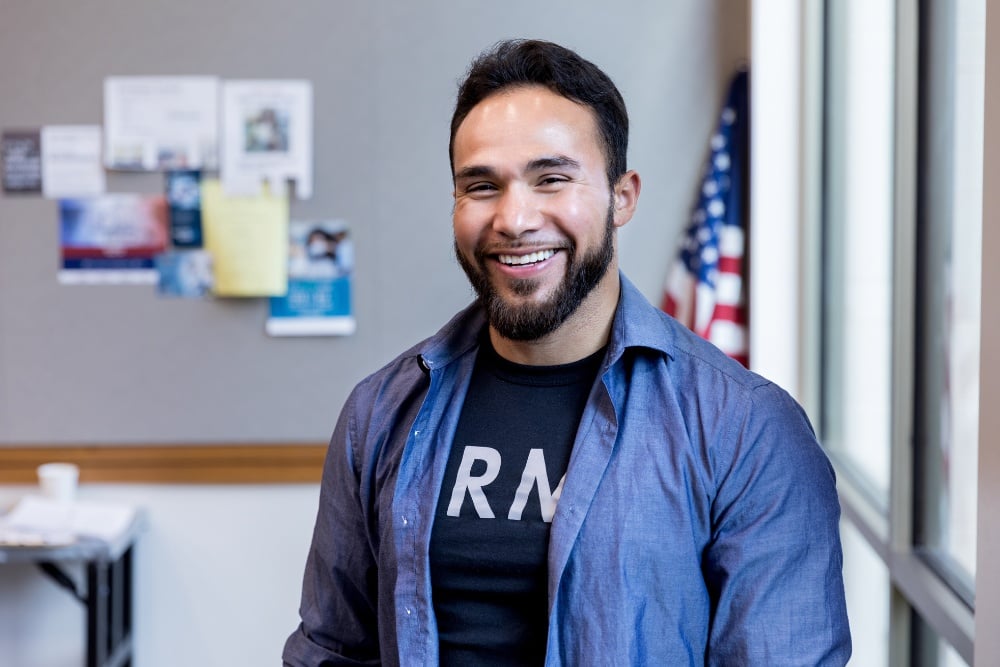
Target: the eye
(551, 181)
(480, 188)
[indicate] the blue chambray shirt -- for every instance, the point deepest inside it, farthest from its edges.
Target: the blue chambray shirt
(698, 524)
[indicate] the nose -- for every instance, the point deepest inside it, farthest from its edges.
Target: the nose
(517, 212)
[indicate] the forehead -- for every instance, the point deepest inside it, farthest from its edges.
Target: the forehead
(532, 119)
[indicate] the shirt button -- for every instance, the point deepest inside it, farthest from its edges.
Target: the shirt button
(407, 611)
(405, 522)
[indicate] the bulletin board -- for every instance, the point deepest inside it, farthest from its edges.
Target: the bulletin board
(131, 383)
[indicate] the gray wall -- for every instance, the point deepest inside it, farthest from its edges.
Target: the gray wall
(82, 364)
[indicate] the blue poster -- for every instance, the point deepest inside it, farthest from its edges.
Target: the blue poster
(320, 265)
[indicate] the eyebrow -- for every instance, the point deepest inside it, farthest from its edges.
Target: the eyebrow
(552, 162)
(539, 164)
(474, 171)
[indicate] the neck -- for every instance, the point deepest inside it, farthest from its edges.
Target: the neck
(582, 334)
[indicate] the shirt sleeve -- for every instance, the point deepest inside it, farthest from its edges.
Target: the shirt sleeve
(774, 563)
(339, 589)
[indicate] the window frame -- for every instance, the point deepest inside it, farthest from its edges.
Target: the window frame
(784, 206)
(916, 583)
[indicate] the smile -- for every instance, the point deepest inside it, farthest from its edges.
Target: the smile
(522, 260)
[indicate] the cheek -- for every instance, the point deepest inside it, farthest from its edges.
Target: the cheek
(582, 215)
(465, 227)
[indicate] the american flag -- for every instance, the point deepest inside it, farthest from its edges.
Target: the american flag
(706, 287)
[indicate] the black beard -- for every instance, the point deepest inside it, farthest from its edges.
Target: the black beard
(533, 321)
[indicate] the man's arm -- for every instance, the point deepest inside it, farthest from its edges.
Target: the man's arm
(774, 566)
(339, 589)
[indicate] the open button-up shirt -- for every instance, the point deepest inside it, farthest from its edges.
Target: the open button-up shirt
(698, 523)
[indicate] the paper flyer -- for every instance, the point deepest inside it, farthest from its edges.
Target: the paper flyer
(184, 273)
(161, 122)
(111, 239)
(248, 240)
(184, 201)
(21, 158)
(320, 265)
(267, 136)
(71, 161)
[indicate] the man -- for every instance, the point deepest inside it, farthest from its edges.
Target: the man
(564, 475)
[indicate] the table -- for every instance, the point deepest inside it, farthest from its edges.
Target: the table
(107, 595)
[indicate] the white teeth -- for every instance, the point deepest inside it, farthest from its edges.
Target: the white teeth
(521, 260)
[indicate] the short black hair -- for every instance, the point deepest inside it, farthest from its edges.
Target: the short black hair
(525, 62)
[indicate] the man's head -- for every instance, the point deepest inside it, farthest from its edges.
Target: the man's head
(514, 63)
(535, 210)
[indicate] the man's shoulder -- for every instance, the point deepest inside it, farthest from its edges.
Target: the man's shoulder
(702, 374)
(699, 356)
(693, 360)
(451, 341)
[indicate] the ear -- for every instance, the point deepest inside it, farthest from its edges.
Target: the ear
(626, 196)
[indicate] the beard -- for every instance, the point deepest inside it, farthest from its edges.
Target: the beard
(531, 321)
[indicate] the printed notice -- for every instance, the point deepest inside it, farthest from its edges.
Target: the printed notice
(21, 156)
(184, 198)
(267, 136)
(112, 239)
(71, 161)
(320, 264)
(161, 122)
(248, 240)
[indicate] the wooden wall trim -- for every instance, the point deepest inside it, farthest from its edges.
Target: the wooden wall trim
(269, 463)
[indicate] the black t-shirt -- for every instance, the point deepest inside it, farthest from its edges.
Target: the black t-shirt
(490, 537)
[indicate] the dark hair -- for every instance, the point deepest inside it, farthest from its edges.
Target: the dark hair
(523, 62)
(319, 231)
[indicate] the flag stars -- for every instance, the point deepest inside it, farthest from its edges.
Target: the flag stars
(716, 208)
(710, 255)
(712, 247)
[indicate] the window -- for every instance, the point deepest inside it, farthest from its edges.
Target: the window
(857, 240)
(948, 285)
(902, 222)
(866, 583)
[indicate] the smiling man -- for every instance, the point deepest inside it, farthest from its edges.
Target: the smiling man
(564, 475)
(535, 214)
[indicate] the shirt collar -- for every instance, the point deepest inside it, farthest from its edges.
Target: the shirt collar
(636, 324)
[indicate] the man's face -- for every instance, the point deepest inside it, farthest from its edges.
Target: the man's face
(534, 215)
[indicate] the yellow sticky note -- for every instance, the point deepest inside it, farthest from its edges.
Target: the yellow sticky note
(248, 240)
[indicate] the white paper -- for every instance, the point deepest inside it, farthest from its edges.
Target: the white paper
(50, 521)
(311, 326)
(71, 161)
(267, 136)
(161, 122)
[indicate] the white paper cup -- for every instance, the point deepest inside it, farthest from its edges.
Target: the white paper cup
(58, 481)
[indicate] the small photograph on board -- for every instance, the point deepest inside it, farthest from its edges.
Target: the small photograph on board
(184, 273)
(320, 250)
(266, 131)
